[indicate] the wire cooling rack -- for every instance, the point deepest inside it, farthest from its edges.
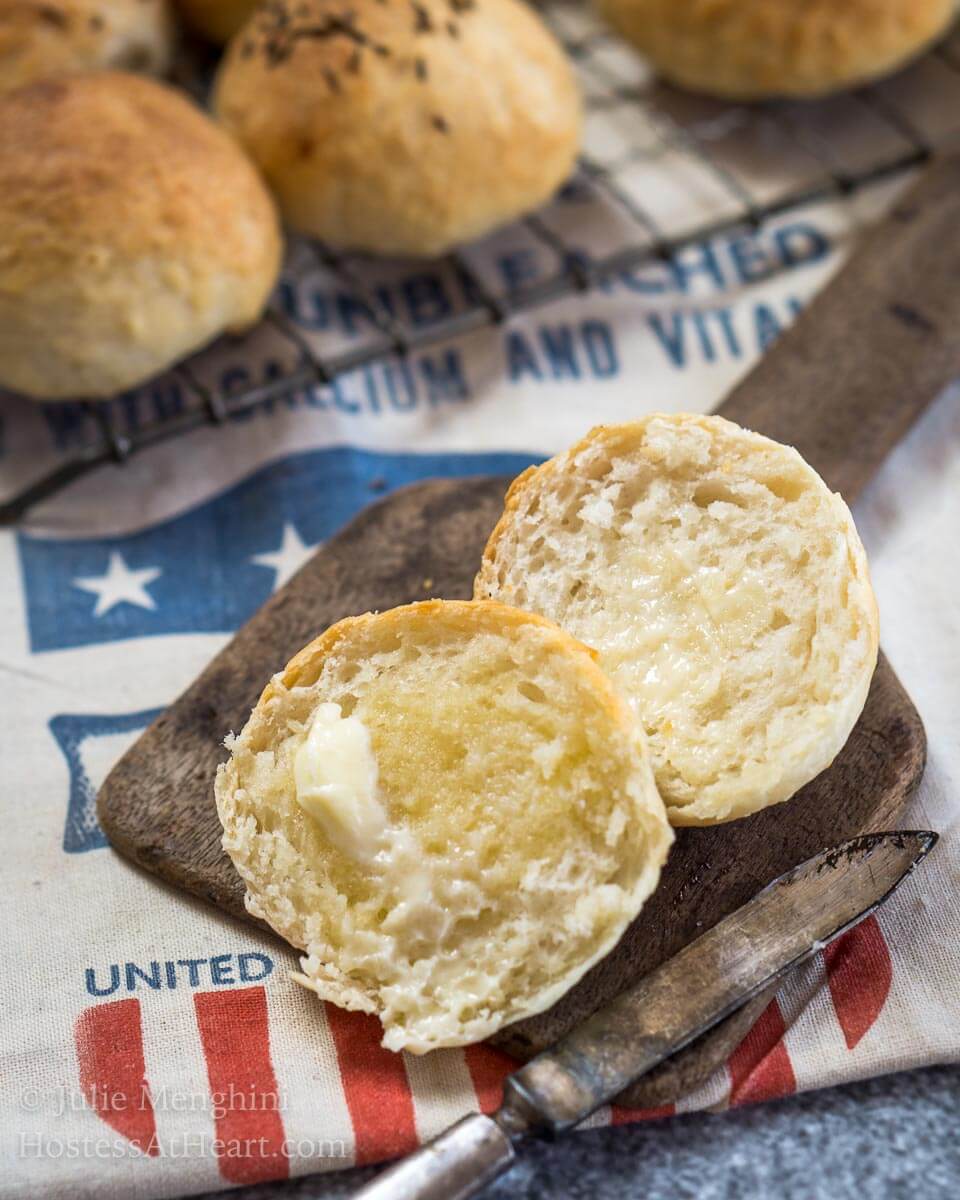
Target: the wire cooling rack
(660, 170)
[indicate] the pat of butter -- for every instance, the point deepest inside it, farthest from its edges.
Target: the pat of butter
(335, 774)
(336, 780)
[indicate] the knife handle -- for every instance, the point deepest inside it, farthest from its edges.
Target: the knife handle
(455, 1165)
(871, 351)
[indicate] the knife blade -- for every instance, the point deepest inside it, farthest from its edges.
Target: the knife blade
(786, 923)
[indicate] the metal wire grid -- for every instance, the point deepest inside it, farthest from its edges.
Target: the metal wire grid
(661, 125)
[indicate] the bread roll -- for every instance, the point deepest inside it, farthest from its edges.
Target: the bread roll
(41, 38)
(752, 49)
(132, 231)
(725, 589)
(216, 20)
(450, 810)
(400, 128)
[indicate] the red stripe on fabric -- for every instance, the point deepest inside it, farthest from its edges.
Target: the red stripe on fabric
(488, 1068)
(621, 1115)
(760, 1067)
(375, 1086)
(235, 1035)
(859, 972)
(109, 1042)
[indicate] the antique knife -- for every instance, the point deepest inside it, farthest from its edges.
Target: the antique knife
(784, 924)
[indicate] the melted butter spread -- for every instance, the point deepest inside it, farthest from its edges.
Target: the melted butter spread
(690, 636)
(336, 779)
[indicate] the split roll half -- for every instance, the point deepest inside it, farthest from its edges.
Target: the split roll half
(450, 810)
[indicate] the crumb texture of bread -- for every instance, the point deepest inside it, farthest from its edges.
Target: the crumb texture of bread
(43, 38)
(398, 127)
(754, 49)
(133, 230)
(217, 20)
(724, 588)
(518, 799)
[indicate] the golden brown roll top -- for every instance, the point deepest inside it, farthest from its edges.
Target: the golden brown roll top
(43, 38)
(401, 128)
(751, 49)
(132, 231)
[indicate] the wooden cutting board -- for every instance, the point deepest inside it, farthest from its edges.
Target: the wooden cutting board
(842, 385)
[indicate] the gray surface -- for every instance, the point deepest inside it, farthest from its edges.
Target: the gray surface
(898, 1136)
